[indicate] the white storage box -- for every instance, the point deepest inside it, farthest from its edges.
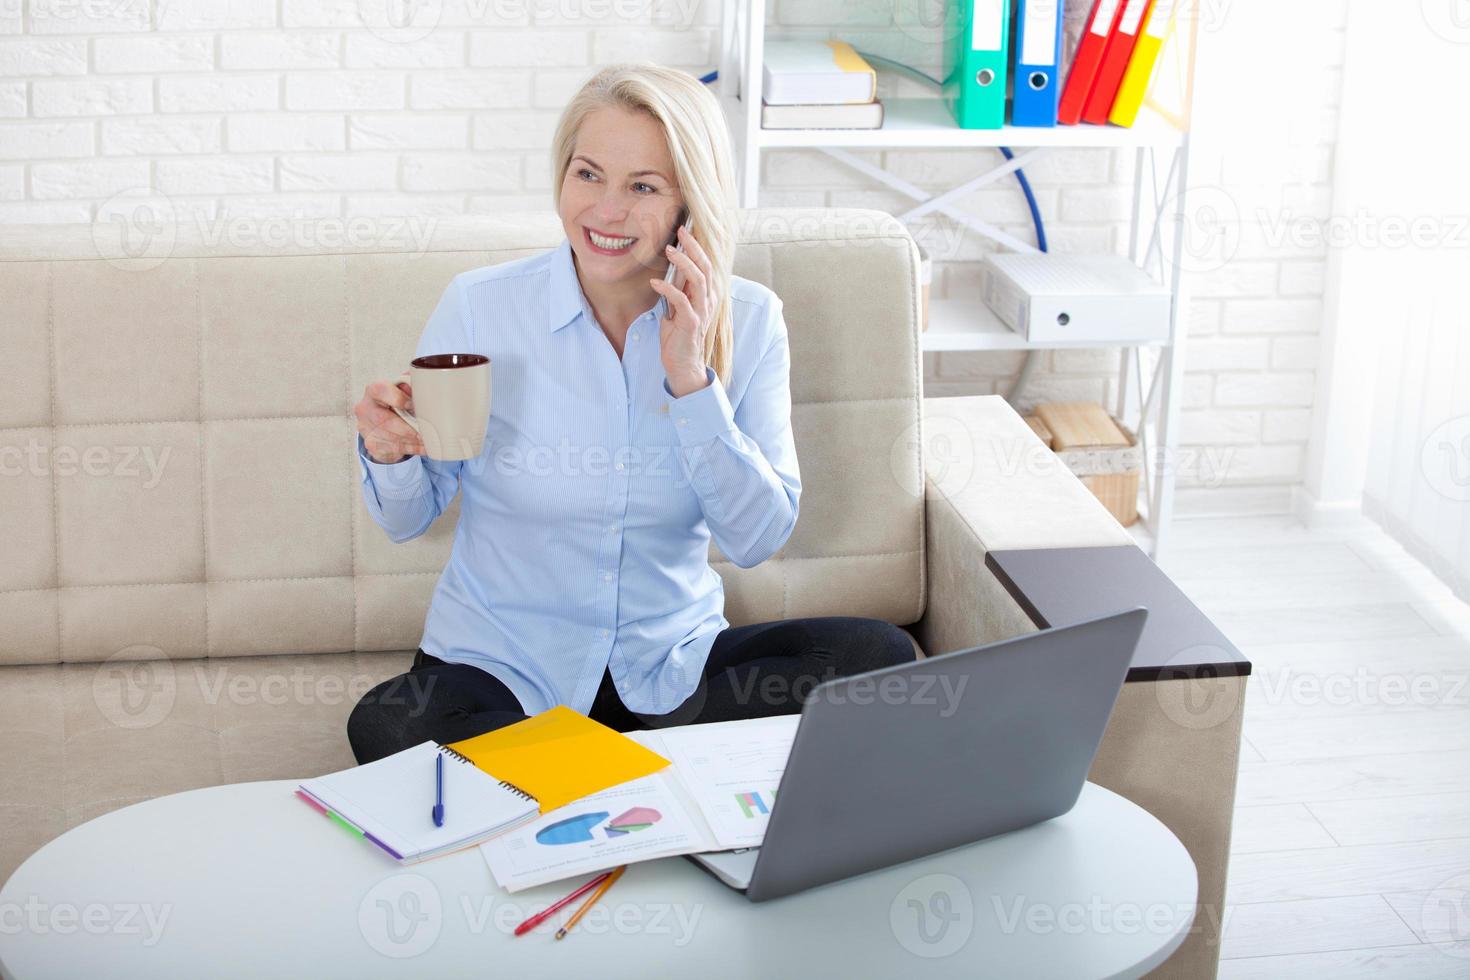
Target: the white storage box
(1051, 298)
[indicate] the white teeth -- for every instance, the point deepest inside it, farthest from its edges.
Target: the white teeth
(613, 243)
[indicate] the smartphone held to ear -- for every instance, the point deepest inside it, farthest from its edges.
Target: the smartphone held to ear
(686, 221)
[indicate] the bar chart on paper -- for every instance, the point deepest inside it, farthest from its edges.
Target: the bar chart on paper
(735, 767)
(753, 804)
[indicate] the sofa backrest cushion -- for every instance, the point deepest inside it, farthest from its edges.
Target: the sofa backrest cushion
(178, 447)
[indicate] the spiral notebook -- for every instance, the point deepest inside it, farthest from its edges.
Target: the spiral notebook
(538, 764)
(389, 802)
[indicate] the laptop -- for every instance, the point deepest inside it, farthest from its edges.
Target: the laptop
(910, 760)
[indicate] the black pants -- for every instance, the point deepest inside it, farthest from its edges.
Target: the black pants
(757, 670)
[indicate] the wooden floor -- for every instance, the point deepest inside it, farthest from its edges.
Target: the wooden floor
(1351, 851)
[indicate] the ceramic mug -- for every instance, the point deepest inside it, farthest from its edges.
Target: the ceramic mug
(451, 400)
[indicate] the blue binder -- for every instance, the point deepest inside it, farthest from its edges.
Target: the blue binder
(1037, 84)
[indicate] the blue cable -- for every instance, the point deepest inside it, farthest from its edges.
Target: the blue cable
(1030, 201)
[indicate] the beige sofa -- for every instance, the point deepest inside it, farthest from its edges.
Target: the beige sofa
(193, 592)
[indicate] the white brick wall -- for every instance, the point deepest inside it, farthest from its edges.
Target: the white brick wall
(321, 107)
(152, 55)
(250, 132)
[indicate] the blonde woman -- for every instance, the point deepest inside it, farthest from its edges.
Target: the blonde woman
(633, 420)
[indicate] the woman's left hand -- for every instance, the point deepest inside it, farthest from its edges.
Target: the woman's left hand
(692, 308)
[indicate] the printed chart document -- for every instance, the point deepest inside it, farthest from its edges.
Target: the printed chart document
(717, 795)
(732, 770)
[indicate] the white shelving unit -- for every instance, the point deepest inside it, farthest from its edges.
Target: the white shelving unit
(1149, 376)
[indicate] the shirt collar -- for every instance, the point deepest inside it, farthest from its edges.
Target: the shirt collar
(567, 298)
(566, 291)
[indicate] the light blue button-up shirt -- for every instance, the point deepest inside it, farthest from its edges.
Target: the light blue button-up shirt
(585, 523)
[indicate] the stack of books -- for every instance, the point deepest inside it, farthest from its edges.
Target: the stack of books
(818, 85)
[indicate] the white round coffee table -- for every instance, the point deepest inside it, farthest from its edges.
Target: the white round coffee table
(245, 880)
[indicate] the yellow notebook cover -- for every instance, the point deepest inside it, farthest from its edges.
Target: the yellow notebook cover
(559, 756)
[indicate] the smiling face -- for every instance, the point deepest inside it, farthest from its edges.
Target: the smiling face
(619, 200)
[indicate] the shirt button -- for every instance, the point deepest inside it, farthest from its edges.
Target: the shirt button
(603, 633)
(612, 527)
(607, 576)
(634, 335)
(683, 421)
(619, 466)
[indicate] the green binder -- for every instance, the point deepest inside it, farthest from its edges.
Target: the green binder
(976, 59)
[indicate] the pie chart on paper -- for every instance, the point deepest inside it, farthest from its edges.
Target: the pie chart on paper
(638, 818)
(579, 829)
(572, 830)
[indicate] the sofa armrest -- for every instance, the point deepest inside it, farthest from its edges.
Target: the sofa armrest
(991, 484)
(1172, 745)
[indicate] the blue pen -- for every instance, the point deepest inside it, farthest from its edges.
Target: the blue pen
(438, 790)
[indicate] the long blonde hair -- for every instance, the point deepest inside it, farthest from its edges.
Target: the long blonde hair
(694, 126)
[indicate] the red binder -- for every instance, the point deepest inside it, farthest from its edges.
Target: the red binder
(1115, 61)
(1088, 60)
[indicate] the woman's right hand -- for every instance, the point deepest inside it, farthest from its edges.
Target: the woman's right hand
(385, 436)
